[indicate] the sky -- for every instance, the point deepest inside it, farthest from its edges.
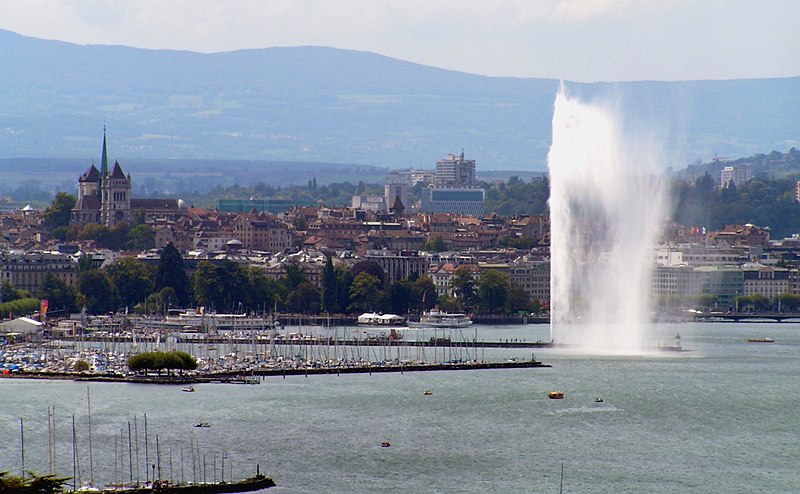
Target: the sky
(575, 40)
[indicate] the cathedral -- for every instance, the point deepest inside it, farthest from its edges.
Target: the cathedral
(103, 197)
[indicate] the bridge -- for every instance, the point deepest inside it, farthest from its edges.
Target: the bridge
(747, 316)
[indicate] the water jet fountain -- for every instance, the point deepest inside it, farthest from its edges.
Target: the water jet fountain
(607, 203)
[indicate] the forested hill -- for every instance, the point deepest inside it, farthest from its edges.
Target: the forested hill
(696, 198)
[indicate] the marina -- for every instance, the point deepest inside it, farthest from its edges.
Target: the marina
(692, 422)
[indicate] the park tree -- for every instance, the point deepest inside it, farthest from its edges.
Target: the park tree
(427, 296)
(133, 279)
(435, 244)
(294, 276)
(365, 293)
(60, 211)
(518, 300)
(158, 302)
(59, 295)
(8, 293)
(493, 290)
(344, 281)
(370, 267)
(450, 304)
(141, 237)
(789, 302)
(225, 287)
(328, 298)
(209, 290)
(401, 297)
(304, 299)
(97, 291)
(264, 292)
(463, 286)
(172, 273)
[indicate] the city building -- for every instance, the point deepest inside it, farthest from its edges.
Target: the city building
(455, 171)
(27, 271)
(736, 175)
(398, 266)
(453, 200)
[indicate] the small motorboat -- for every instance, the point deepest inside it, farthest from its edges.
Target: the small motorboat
(203, 424)
(428, 392)
(761, 340)
(188, 389)
(556, 395)
(599, 399)
(385, 444)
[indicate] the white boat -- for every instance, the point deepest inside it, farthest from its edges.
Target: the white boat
(375, 319)
(436, 318)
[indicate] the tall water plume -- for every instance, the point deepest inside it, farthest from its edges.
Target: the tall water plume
(607, 203)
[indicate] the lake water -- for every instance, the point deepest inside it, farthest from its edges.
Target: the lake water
(722, 417)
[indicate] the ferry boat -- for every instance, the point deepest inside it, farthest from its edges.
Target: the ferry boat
(375, 319)
(436, 318)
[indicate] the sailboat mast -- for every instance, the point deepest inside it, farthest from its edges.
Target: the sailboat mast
(91, 457)
(130, 453)
(146, 454)
(75, 479)
(22, 447)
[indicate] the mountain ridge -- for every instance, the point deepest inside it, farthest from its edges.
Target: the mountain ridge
(323, 104)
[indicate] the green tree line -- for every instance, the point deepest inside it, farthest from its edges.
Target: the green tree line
(229, 286)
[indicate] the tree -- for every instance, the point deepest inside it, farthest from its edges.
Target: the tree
(60, 211)
(133, 279)
(518, 300)
(401, 297)
(58, 294)
(436, 244)
(225, 287)
(264, 292)
(344, 281)
(304, 299)
(365, 293)
(208, 288)
(172, 273)
(493, 290)
(328, 300)
(463, 286)
(8, 293)
(158, 361)
(370, 267)
(450, 304)
(294, 276)
(426, 293)
(141, 237)
(97, 291)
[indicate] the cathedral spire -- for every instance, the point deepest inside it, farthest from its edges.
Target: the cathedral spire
(104, 159)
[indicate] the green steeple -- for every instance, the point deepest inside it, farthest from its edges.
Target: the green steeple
(104, 159)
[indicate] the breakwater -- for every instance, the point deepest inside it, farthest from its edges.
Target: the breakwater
(253, 376)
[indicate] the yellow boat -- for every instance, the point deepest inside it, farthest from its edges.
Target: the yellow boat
(556, 395)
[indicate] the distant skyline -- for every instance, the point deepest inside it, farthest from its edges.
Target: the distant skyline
(577, 40)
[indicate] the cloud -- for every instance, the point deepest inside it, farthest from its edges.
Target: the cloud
(572, 39)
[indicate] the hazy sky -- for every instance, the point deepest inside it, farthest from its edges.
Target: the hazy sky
(579, 40)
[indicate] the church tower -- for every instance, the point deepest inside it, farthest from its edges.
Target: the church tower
(116, 191)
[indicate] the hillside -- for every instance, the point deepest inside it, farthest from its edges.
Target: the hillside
(328, 105)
